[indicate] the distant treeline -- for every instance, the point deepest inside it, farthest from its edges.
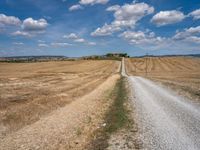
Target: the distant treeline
(108, 56)
(25, 59)
(21, 59)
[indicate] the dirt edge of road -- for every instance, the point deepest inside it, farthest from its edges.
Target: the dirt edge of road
(120, 130)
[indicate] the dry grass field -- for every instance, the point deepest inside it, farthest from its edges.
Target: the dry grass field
(179, 73)
(30, 91)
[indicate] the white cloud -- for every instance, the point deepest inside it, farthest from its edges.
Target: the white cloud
(77, 39)
(193, 39)
(9, 20)
(60, 44)
(18, 43)
(41, 41)
(21, 33)
(106, 30)
(191, 34)
(195, 14)
(147, 40)
(133, 12)
(113, 8)
(187, 32)
(75, 7)
(92, 43)
(167, 17)
(43, 45)
(126, 16)
(186, 39)
(31, 27)
(74, 37)
(80, 40)
(30, 24)
(71, 36)
(92, 2)
(139, 37)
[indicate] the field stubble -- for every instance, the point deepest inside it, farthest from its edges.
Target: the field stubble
(30, 91)
(182, 74)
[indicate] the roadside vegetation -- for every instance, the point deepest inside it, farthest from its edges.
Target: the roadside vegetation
(116, 118)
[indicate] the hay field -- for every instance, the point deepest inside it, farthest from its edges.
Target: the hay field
(179, 73)
(30, 91)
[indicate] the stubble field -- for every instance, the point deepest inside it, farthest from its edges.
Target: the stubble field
(30, 91)
(182, 74)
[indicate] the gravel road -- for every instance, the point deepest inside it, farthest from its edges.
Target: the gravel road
(165, 119)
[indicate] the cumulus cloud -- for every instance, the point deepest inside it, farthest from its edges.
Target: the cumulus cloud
(140, 37)
(113, 8)
(195, 14)
(74, 37)
(31, 27)
(30, 24)
(9, 20)
(167, 17)
(87, 2)
(75, 7)
(27, 25)
(133, 12)
(92, 2)
(106, 30)
(191, 34)
(147, 39)
(126, 16)
(71, 36)
(77, 39)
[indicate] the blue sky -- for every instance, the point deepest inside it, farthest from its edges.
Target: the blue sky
(94, 27)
